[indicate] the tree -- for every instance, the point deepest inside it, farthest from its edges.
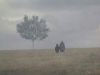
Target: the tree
(33, 29)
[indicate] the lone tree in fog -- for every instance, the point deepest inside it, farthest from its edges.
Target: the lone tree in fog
(33, 29)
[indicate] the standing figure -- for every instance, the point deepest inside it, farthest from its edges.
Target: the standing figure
(62, 47)
(57, 48)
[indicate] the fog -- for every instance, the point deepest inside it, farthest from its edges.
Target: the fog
(75, 22)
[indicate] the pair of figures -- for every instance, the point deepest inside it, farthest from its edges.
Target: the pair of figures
(61, 47)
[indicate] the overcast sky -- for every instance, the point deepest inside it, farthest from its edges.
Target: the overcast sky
(75, 22)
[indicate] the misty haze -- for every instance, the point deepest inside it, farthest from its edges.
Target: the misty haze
(32, 31)
(73, 21)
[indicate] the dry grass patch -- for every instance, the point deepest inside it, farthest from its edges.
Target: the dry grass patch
(85, 61)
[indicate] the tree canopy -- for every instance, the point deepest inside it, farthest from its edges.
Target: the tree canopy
(33, 29)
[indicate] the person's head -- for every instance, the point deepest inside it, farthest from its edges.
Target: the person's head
(61, 41)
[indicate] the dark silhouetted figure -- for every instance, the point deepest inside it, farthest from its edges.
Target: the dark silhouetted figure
(62, 47)
(57, 48)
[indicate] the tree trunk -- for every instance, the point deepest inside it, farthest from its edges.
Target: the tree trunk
(33, 44)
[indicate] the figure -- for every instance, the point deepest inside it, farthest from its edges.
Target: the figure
(57, 48)
(62, 47)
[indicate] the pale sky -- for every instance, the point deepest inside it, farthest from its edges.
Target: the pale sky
(75, 22)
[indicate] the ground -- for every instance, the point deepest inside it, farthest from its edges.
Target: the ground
(76, 61)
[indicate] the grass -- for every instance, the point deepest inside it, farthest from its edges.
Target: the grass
(76, 61)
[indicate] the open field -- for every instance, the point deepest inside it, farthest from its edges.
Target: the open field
(76, 61)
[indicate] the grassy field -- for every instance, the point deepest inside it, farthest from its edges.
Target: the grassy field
(76, 61)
